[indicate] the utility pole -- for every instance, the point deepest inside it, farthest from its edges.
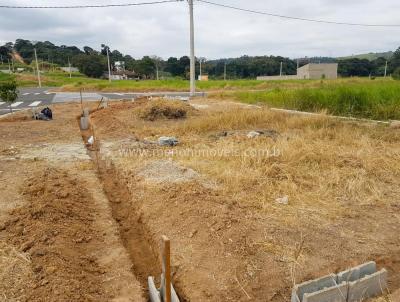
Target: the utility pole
(297, 63)
(157, 71)
(225, 71)
(69, 65)
(280, 72)
(192, 58)
(200, 70)
(386, 65)
(9, 66)
(37, 68)
(109, 66)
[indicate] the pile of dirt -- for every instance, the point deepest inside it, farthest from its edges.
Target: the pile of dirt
(56, 231)
(164, 109)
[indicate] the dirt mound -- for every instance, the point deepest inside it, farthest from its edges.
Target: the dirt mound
(56, 229)
(164, 109)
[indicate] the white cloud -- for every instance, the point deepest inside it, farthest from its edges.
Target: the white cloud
(163, 29)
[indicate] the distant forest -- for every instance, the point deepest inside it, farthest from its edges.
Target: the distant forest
(93, 62)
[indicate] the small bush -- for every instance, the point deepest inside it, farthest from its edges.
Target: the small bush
(396, 74)
(164, 109)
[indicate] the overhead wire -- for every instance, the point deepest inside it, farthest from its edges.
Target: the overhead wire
(296, 18)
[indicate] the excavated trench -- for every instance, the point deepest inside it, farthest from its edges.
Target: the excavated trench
(144, 253)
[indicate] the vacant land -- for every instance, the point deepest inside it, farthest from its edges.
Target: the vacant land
(219, 193)
(248, 215)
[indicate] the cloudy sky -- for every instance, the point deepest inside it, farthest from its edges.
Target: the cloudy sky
(163, 29)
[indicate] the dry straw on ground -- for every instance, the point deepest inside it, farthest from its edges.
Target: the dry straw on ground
(15, 273)
(164, 109)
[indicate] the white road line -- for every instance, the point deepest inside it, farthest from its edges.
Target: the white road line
(118, 93)
(13, 105)
(35, 104)
(26, 93)
(37, 93)
(1, 103)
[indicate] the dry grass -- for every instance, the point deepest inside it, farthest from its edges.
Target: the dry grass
(323, 164)
(15, 272)
(164, 109)
(342, 179)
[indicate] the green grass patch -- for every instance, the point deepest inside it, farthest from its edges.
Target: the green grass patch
(365, 99)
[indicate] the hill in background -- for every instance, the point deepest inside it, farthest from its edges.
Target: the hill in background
(370, 56)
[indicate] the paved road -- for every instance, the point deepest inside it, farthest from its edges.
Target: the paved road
(40, 97)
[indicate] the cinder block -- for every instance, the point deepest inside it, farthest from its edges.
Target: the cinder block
(312, 286)
(84, 123)
(357, 272)
(337, 293)
(369, 286)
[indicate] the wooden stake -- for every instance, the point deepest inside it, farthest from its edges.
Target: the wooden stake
(80, 91)
(166, 267)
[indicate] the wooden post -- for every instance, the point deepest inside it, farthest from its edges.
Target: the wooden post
(80, 92)
(166, 267)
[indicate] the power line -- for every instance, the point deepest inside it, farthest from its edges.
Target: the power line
(90, 6)
(297, 18)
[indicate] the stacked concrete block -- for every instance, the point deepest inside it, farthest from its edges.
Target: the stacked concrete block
(357, 272)
(352, 285)
(336, 293)
(312, 286)
(84, 121)
(369, 286)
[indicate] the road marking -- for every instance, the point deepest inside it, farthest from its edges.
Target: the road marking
(37, 93)
(1, 103)
(34, 104)
(16, 104)
(48, 93)
(26, 93)
(119, 93)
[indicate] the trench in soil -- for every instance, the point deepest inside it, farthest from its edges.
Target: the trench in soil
(135, 235)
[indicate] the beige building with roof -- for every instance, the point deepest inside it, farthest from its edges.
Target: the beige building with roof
(309, 71)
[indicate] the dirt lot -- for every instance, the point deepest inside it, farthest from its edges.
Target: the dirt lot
(247, 216)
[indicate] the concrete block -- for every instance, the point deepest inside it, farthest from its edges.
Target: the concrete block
(356, 273)
(86, 112)
(337, 293)
(369, 286)
(84, 123)
(312, 286)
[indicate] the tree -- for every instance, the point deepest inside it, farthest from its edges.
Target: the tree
(396, 74)
(395, 61)
(91, 65)
(9, 92)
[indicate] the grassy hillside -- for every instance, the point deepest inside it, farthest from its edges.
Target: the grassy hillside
(370, 56)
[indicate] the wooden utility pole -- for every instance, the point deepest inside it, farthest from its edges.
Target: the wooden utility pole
(386, 66)
(69, 65)
(108, 63)
(280, 72)
(225, 71)
(166, 267)
(37, 68)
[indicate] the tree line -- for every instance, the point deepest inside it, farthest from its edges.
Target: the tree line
(93, 63)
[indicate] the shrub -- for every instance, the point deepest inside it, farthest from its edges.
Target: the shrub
(396, 74)
(160, 108)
